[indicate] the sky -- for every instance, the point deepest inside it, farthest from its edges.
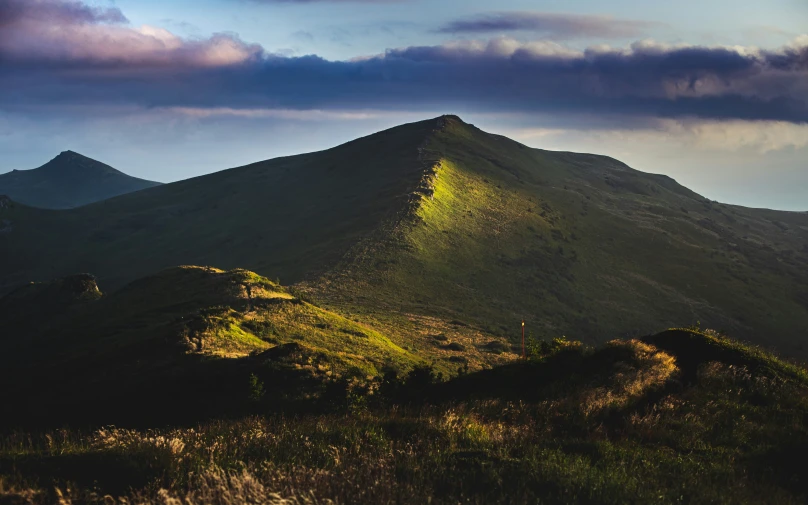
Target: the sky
(713, 93)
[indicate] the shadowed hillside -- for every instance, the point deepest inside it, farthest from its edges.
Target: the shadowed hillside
(285, 218)
(68, 180)
(437, 221)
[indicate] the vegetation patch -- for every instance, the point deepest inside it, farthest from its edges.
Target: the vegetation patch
(618, 427)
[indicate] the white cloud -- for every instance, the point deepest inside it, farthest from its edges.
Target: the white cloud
(760, 136)
(750, 136)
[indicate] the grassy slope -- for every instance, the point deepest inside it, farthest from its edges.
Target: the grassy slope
(210, 312)
(69, 180)
(579, 244)
(185, 325)
(438, 219)
(283, 218)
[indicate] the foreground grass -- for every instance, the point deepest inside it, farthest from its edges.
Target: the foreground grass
(621, 426)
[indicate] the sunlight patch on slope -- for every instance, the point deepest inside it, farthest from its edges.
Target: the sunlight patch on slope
(647, 369)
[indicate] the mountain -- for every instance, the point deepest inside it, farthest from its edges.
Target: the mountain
(68, 180)
(389, 371)
(428, 226)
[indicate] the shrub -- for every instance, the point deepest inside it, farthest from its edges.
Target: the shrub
(256, 389)
(541, 349)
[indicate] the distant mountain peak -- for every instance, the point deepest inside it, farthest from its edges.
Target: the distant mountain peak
(68, 155)
(72, 154)
(68, 180)
(452, 117)
(71, 161)
(448, 119)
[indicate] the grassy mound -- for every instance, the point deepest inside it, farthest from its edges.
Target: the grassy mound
(693, 348)
(188, 336)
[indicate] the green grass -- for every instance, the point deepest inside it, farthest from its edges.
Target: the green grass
(735, 434)
(187, 335)
(217, 312)
(579, 245)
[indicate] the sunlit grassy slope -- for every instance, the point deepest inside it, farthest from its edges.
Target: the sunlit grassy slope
(438, 221)
(179, 336)
(579, 244)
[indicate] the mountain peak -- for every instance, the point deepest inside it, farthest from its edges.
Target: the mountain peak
(452, 117)
(68, 154)
(71, 161)
(68, 180)
(449, 119)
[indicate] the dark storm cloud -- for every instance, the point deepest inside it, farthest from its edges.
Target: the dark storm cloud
(107, 66)
(557, 26)
(56, 12)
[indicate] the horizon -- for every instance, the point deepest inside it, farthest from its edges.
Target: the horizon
(805, 210)
(165, 92)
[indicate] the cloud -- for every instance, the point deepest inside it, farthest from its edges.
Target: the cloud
(703, 135)
(13, 12)
(757, 164)
(555, 26)
(71, 34)
(741, 135)
(290, 114)
(92, 62)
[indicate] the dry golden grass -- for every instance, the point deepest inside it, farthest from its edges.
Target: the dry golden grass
(12, 495)
(218, 487)
(649, 368)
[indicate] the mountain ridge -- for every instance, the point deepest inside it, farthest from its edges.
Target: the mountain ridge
(440, 221)
(563, 276)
